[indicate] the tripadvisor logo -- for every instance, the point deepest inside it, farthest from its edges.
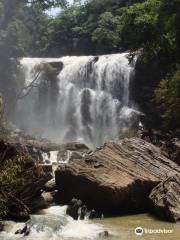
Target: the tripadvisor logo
(139, 231)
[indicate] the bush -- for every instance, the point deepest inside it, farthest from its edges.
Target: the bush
(168, 96)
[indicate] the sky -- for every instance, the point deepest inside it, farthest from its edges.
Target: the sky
(55, 11)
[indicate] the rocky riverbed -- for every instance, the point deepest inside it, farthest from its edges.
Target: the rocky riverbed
(128, 176)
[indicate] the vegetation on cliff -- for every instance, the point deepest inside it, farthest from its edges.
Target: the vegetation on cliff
(20, 183)
(168, 95)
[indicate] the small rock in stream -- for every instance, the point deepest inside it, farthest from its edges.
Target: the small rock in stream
(25, 230)
(1, 227)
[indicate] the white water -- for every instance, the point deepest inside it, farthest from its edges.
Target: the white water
(54, 224)
(93, 102)
(52, 157)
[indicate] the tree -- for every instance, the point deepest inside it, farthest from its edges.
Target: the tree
(45, 4)
(22, 25)
(138, 25)
(168, 96)
(66, 31)
(106, 33)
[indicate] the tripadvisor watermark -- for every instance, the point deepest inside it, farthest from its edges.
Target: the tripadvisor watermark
(140, 231)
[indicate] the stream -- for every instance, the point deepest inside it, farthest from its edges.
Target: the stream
(54, 224)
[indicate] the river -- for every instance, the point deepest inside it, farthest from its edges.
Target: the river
(54, 224)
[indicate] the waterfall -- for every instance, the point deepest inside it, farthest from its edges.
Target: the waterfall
(87, 101)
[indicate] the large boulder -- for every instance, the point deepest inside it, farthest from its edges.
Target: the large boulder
(165, 199)
(175, 154)
(116, 178)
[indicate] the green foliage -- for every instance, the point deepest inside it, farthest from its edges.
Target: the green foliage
(152, 26)
(19, 178)
(35, 33)
(11, 181)
(106, 33)
(45, 4)
(168, 95)
(63, 29)
(138, 24)
(86, 28)
(23, 27)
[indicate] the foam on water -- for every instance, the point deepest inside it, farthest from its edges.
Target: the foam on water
(51, 157)
(53, 224)
(84, 103)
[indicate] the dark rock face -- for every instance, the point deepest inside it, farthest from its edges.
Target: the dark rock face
(165, 199)
(1, 227)
(174, 151)
(171, 148)
(116, 178)
(73, 208)
(176, 155)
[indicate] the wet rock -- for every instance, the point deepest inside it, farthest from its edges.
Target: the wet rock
(18, 231)
(104, 234)
(117, 178)
(73, 208)
(165, 199)
(83, 212)
(71, 151)
(38, 203)
(46, 168)
(19, 215)
(1, 227)
(92, 214)
(48, 197)
(50, 186)
(58, 66)
(25, 230)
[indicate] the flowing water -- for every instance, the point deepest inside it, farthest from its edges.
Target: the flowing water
(53, 224)
(88, 101)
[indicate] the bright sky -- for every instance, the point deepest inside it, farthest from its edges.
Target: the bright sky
(55, 11)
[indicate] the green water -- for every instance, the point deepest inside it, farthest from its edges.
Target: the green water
(122, 228)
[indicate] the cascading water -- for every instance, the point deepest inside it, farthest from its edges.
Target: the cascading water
(87, 101)
(54, 224)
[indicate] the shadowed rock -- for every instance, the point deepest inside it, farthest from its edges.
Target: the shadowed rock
(165, 199)
(1, 227)
(116, 178)
(25, 230)
(24, 181)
